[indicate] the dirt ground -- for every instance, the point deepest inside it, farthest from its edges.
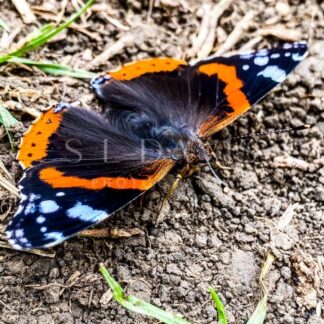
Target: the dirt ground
(205, 236)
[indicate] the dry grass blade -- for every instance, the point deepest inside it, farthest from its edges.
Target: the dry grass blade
(6, 172)
(25, 11)
(236, 34)
(265, 270)
(286, 217)
(42, 253)
(8, 186)
(259, 313)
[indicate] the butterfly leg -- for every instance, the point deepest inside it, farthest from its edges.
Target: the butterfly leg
(187, 171)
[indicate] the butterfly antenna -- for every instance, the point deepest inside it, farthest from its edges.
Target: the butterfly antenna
(276, 131)
(207, 159)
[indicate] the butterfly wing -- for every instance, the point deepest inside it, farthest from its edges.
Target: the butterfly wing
(202, 98)
(243, 80)
(80, 170)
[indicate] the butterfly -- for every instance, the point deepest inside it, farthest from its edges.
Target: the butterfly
(81, 166)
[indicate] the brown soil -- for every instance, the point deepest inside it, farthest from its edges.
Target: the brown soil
(205, 236)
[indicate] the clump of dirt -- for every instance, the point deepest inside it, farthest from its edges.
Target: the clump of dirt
(206, 235)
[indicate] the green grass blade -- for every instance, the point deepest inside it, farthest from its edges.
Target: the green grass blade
(7, 120)
(221, 313)
(259, 313)
(4, 25)
(54, 68)
(46, 33)
(134, 304)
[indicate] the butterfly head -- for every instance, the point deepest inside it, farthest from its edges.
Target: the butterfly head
(180, 144)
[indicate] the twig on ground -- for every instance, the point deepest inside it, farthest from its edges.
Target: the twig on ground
(150, 9)
(103, 10)
(7, 39)
(111, 50)
(291, 162)
(25, 11)
(236, 34)
(204, 42)
(289, 35)
(113, 233)
(6, 306)
(62, 11)
(249, 46)
(69, 283)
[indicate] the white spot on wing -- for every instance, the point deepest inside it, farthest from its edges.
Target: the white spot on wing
(274, 73)
(22, 197)
(60, 194)
(14, 244)
(261, 60)
(275, 55)
(85, 213)
(287, 46)
(19, 210)
(33, 197)
(23, 240)
(40, 219)
(48, 206)
(263, 52)
(287, 54)
(298, 57)
(19, 233)
(246, 67)
(56, 236)
(30, 208)
(9, 234)
(43, 229)
(247, 56)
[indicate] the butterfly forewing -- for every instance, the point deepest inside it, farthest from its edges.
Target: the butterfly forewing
(246, 79)
(71, 182)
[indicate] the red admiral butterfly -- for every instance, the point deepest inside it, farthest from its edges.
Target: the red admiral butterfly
(81, 166)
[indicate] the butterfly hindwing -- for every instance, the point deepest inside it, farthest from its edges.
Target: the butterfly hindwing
(47, 216)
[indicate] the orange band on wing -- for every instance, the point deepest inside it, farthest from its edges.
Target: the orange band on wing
(136, 69)
(35, 141)
(57, 179)
(234, 95)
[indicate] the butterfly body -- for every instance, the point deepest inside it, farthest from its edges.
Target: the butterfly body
(82, 166)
